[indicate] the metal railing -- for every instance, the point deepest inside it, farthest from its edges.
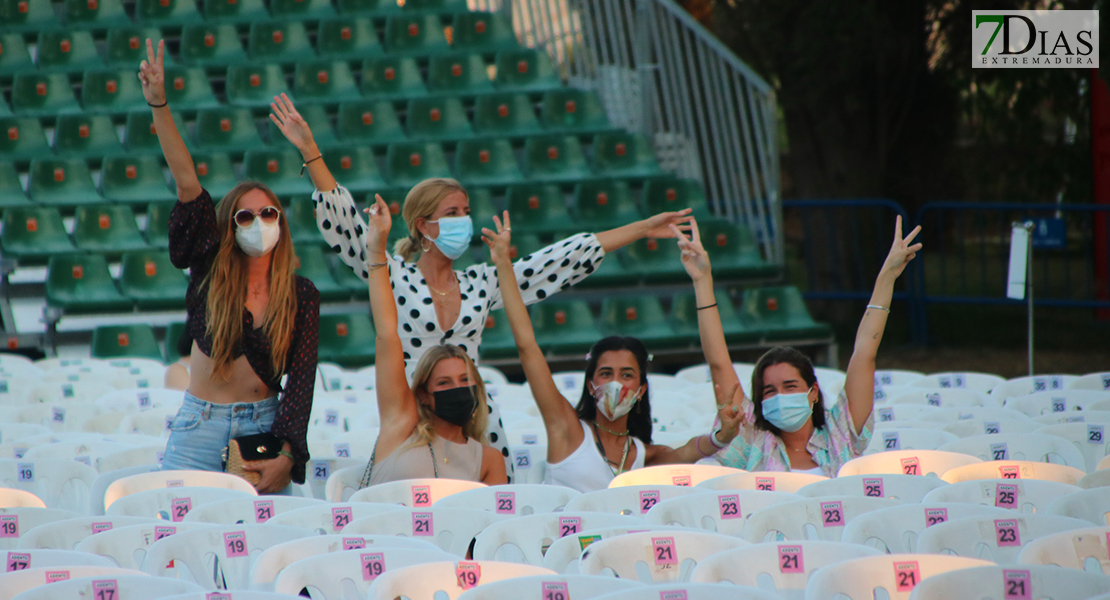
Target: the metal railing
(661, 74)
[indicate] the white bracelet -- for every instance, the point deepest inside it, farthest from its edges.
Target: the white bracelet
(713, 439)
(879, 307)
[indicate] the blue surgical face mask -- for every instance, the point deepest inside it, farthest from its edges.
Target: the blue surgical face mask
(788, 412)
(455, 234)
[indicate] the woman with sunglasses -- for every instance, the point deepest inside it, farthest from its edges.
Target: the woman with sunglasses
(252, 319)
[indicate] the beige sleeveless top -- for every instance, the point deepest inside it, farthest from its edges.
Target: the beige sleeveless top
(413, 461)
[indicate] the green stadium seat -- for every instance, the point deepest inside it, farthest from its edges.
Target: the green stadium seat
(505, 115)
(301, 10)
(670, 193)
(605, 204)
(5, 110)
(490, 162)
(111, 91)
(188, 87)
(486, 33)
(158, 224)
(324, 81)
(525, 71)
(347, 38)
(226, 130)
(316, 118)
(301, 215)
(134, 180)
(371, 122)
(174, 332)
(369, 8)
(85, 136)
(573, 111)
(458, 75)
(38, 95)
(538, 208)
(108, 229)
(415, 35)
(497, 337)
(524, 245)
(437, 119)
(279, 169)
(65, 51)
(96, 14)
(11, 188)
(733, 252)
(654, 260)
(209, 45)
(394, 199)
(314, 266)
(22, 139)
(780, 314)
(555, 158)
(641, 317)
(235, 11)
(482, 211)
(564, 327)
(623, 154)
(62, 183)
(167, 13)
(14, 57)
(410, 163)
(215, 172)
(285, 42)
(81, 283)
(30, 16)
(126, 46)
(347, 339)
(140, 136)
(436, 7)
(684, 320)
(355, 168)
(131, 341)
(254, 85)
(392, 78)
(34, 233)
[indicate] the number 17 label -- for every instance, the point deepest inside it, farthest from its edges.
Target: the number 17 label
(105, 589)
(664, 551)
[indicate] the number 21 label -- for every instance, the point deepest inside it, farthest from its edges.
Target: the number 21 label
(790, 559)
(1017, 584)
(664, 551)
(906, 575)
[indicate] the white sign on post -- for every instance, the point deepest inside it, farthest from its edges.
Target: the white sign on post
(1019, 263)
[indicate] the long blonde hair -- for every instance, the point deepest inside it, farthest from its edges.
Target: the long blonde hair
(422, 201)
(475, 428)
(227, 288)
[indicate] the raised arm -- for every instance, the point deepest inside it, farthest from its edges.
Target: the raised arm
(153, 77)
(564, 434)
(860, 383)
(297, 131)
(658, 226)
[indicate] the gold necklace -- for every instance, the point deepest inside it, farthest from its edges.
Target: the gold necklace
(439, 292)
(606, 429)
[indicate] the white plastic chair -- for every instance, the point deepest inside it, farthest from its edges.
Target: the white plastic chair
(247, 509)
(906, 462)
(812, 518)
(1014, 469)
(1033, 447)
(105, 479)
(439, 579)
(1098, 417)
(65, 535)
(1090, 505)
(220, 556)
(899, 377)
(153, 422)
(563, 555)
(239, 595)
(165, 479)
(10, 498)
(14, 432)
(680, 475)
(767, 481)
(529, 462)
(126, 546)
(722, 512)
(452, 529)
(132, 587)
(170, 504)
(85, 452)
(973, 413)
(943, 398)
(628, 500)
(579, 587)
(1022, 581)
(135, 400)
(38, 558)
(997, 539)
(523, 539)
(1016, 423)
(896, 574)
(414, 493)
(516, 499)
(104, 424)
(1023, 495)
(655, 557)
(16, 521)
(983, 382)
(149, 456)
(691, 591)
(1092, 381)
(343, 483)
(887, 412)
(16, 582)
(905, 488)
(1023, 386)
(277, 557)
(1080, 549)
(895, 530)
(320, 469)
(349, 573)
(1100, 478)
(331, 517)
(887, 439)
(1060, 401)
(1087, 438)
(780, 568)
(59, 483)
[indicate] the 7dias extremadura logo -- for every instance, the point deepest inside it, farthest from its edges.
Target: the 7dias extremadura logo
(1034, 39)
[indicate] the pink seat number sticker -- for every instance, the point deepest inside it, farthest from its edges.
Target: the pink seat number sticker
(17, 562)
(569, 525)
(263, 510)
(1017, 584)
(554, 590)
(935, 516)
(907, 574)
(729, 505)
(105, 589)
(373, 565)
(340, 517)
(422, 524)
(664, 551)
(180, 507)
(648, 499)
(672, 595)
(1005, 495)
(421, 496)
(1006, 532)
(468, 574)
(9, 526)
(790, 559)
(873, 487)
(235, 542)
(832, 514)
(505, 503)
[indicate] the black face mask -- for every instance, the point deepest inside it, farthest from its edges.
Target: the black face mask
(455, 405)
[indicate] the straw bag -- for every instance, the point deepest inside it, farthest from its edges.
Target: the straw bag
(260, 446)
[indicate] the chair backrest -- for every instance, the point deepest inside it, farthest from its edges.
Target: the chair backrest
(814, 518)
(1035, 447)
(897, 574)
(1092, 505)
(516, 499)
(524, 539)
(137, 586)
(413, 493)
(579, 587)
(906, 488)
(1072, 549)
(787, 565)
(65, 535)
(247, 509)
(680, 475)
(15, 521)
(1014, 469)
(11, 498)
(887, 437)
(1021, 386)
(429, 580)
(628, 500)
(275, 558)
(906, 462)
(722, 512)
(59, 483)
(655, 557)
(1089, 438)
(332, 517)
(38, 558)
(886, 412)
(768, 481)
(1024, 581)
(1100, 478)
(343, 483)
(170, 504)
(564, 553)
(167, 479)
(994, 538)
(105, 479)
(1023, 495)
(333, 574)
(1092, 381)
(452, 529)
(941, 398)
(895, 530)
(983, 382)
(127, 546)
(1059, 401)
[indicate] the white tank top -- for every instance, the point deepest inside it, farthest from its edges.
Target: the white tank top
(586, 470)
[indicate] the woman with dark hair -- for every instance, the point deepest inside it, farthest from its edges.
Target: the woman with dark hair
(786, 425)
(609, 432)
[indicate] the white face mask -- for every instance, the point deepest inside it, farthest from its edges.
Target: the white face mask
(259, 238)
(613, 401)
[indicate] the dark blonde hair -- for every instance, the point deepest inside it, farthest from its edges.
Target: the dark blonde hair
(227, 287)
(475, 428)
(801, 362)
(421, 202)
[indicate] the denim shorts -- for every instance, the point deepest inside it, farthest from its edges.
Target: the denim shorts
(201, 430)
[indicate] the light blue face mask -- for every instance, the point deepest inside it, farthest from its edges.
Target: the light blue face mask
(788, 412)
(455, 234)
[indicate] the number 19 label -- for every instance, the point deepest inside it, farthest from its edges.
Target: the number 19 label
(790, 559)
(468, 574)
(554, 590)
(373, 565)
(235, 542)
(9, 526)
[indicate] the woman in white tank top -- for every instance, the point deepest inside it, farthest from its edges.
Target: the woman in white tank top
(610, 430)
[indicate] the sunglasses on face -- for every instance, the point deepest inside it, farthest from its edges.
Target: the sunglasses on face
(245, 217)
